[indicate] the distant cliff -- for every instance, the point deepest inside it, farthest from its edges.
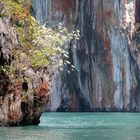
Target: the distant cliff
(106, 58)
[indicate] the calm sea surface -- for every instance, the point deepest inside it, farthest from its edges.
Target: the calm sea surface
(78, 126)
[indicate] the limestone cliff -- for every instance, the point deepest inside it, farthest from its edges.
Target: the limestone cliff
(22, 97)
(106, 58)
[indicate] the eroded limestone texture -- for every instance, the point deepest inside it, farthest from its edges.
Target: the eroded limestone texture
(23, 97)
(106, 76)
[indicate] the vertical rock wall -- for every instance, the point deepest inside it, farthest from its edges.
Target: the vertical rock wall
(22, 98)
(106, 76)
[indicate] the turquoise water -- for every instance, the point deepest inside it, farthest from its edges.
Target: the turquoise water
(78, 126)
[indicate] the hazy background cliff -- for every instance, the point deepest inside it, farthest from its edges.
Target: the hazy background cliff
(106, 58)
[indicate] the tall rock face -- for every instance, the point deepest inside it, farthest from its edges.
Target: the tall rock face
(106, 57)
(22, 98)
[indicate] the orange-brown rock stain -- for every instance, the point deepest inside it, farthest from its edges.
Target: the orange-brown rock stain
(66, 6)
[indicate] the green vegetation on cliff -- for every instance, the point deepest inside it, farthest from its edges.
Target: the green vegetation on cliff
(42, 45)
(25, 48)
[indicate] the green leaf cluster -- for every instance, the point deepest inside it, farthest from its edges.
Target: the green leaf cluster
(42, 45)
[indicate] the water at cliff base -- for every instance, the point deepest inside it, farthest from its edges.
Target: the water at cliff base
(78, 126)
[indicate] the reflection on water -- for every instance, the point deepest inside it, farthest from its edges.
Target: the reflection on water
(78, 126)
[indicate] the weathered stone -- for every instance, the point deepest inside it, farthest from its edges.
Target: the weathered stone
(106, 76)
(1, 7)
(20, 104)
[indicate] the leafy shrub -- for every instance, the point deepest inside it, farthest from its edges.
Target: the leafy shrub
(43, 46)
